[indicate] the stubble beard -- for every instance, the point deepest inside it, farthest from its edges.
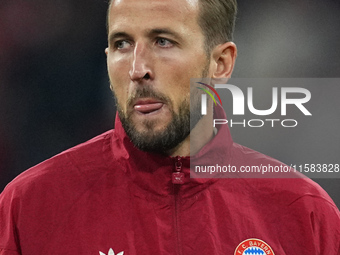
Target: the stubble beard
(174, 133)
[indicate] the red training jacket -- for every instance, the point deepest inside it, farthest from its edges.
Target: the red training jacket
(107, 197)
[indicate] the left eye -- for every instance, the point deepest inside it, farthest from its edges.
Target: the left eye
(164, 42)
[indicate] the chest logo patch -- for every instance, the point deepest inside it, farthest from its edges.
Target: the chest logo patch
(111, 252)
(253, 246)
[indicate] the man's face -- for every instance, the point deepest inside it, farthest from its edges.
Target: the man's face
(155, 47)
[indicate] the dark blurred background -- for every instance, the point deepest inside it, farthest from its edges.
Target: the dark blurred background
(54, 90)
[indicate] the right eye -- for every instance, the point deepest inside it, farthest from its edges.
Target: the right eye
(122, 44)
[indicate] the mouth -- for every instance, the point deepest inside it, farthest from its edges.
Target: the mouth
(148, 106)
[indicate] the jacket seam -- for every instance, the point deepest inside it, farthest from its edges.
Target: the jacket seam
(314, 196)
(5, 249)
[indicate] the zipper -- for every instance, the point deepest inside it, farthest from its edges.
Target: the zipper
(177, 178)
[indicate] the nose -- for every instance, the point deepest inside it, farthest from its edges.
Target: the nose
(141, 65)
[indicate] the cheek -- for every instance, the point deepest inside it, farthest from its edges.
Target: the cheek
(180, 76)
(119, 79)
(118, 68)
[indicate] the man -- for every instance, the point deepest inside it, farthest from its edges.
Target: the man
(129, 191)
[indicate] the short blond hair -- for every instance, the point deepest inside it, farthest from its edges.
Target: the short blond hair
(216, 19)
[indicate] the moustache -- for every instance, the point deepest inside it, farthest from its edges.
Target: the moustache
(147, 92)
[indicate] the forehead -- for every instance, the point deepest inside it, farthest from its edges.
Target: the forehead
(145, 14)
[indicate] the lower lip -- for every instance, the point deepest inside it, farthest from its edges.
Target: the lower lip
(147, 109)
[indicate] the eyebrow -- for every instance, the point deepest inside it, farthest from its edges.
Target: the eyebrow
(115, 35)
(150, 33)
(167, 31)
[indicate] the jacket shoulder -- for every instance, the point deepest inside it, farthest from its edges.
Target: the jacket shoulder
(276, 178)
(81, 161)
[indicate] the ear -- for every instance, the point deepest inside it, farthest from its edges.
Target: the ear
(224, 56)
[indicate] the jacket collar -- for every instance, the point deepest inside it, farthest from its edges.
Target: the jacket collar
(153, 171)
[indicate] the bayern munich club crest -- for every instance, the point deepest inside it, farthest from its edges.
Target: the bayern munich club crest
(253, 246)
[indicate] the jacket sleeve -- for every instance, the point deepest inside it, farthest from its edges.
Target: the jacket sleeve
(326, 228)
(320, 222)
(9, 241)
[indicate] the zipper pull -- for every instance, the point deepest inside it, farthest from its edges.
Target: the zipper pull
(178, 176)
